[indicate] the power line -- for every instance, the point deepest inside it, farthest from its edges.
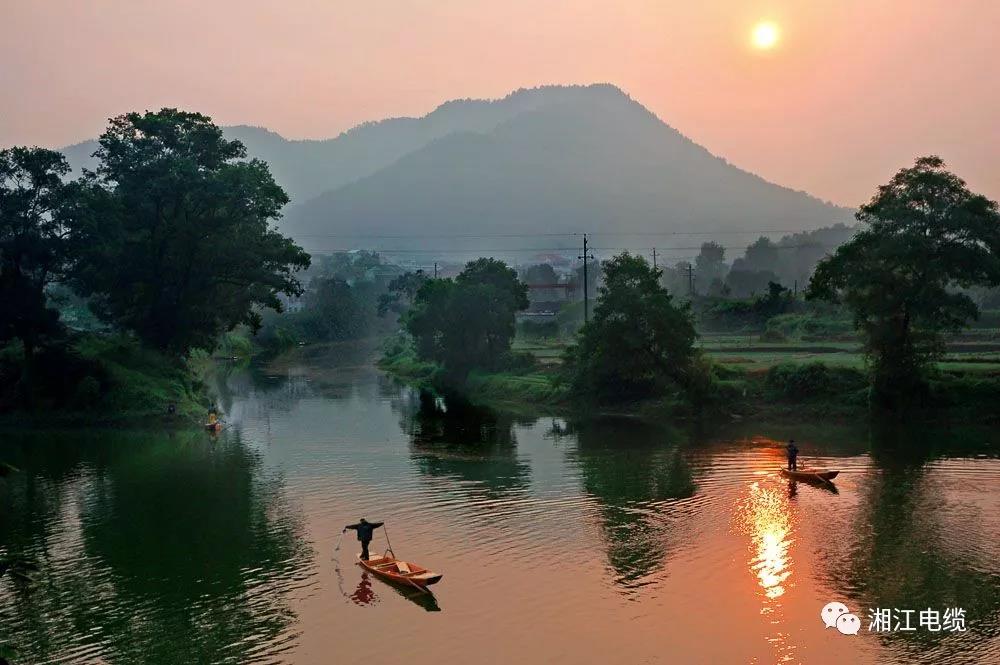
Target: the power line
(411, 250)
(535, 234)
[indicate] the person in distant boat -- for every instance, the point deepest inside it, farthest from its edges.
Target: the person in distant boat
(365, 531)
(793, 454)
(213, 417)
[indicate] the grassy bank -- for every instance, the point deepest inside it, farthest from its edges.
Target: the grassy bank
(519, 390)
(794, 383)
(101, 380)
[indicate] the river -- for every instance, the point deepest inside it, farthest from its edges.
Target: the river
(599, 541)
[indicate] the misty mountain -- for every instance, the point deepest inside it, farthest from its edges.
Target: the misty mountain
(308, 168)
(594, 160)
(554, 160)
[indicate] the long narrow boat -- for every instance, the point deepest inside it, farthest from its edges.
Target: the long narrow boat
(401, 572)
(809, 474)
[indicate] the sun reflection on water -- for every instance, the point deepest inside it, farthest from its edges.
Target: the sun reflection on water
(764, 517)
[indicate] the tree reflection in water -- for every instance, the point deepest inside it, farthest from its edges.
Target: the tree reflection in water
(911, 546)
(157, 547)
(637, 473)
(450, 438)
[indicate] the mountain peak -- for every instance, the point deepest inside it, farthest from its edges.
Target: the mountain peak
(563, 157)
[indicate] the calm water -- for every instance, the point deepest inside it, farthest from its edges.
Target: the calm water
(560, 542)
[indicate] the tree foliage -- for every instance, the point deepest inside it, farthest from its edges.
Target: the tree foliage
(638, 342)
(710, 266)
(468, 322)
(400, 292)
(172, 234)
(32, 243)
(924, 235)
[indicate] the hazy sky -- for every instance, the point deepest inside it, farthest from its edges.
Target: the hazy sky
(854, 89)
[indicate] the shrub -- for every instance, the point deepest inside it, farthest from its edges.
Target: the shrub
(809, 325)
(530, 328)
(772, 335)
(804, 382)
(87, 393)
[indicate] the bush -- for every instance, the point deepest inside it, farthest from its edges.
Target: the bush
(988, 318)
(804, 326)
(87, 394)
(235, 344)
(772, 335)
(980, 395)
(543, 329)
(798, 383)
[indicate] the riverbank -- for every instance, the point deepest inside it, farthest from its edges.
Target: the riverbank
(790, 390)
(102, 380)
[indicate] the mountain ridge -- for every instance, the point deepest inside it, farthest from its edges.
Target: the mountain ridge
(604, 159)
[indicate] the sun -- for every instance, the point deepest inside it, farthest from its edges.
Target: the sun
(765, 35)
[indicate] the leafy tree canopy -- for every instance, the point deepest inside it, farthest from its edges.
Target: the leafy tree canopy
(400, 292)
(638, 342)
(172, 234)
(923, 235)
(467, 322)
(710, 265)
(32, 246)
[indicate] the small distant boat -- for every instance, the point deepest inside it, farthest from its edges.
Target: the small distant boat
(809, 474)
(401, 572)
(213, 427)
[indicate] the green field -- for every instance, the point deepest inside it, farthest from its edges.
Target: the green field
(973, 354)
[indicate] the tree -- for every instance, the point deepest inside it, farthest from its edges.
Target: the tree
(761, 254)
(638, 342)
(400, 292)
(467, 322)
(174, 238)
(538, 275)
(32, 244)
(332, 311)
(748, 283)
(710, 265)
(923, 234)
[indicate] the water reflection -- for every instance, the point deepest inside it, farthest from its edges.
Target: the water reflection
(637, 473)
(146, 537)
(764, 516)
(471, 444)
(920, 538)
(364, 594)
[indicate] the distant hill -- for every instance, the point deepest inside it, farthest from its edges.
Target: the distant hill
(558, 159)
(311, 167)
(595, 161)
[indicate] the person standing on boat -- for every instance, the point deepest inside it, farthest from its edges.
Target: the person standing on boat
(365, 531)
(793, 454)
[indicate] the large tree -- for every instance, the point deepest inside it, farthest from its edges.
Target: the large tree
(174, 236)
(638, 342)
(400, 293)
(468, 322)
(923, 235)
(32, 245)
(710, 265)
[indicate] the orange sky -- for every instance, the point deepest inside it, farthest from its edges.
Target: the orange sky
(855, 89)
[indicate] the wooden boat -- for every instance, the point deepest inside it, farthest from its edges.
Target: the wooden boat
(401, 572)
(809, 474)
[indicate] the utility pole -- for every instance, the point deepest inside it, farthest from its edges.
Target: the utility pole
(435, 270)
(795, 289)
(690, 281)
(654, 258)
(586, 286)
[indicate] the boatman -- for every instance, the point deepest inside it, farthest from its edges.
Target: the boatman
(793, 454)
(365, 531)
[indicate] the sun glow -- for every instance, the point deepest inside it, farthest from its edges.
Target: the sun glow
(765, 35)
